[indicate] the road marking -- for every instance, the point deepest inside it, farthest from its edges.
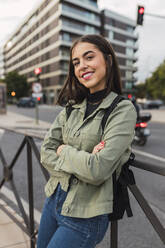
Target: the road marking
(149, 155)
(9, 194)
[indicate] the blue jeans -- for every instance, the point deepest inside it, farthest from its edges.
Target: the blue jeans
(58, 231)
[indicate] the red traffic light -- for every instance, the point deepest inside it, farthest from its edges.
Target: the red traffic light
(37, 71)
(129, 96)
(38, 99)
(140, 14)
(141, 10)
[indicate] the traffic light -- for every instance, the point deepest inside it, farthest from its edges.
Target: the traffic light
(129, 96)
(13, 93)
(37, 72)
(140, 14)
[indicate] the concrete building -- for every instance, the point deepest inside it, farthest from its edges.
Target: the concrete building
(44, 38)
(1, 63)
(120, 30)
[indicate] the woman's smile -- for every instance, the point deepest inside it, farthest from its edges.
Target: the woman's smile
(87, 75)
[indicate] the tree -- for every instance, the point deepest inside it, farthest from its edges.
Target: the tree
(155, 85)
(16, 83)
(140, 90)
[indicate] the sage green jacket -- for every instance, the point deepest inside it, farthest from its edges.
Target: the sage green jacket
(91, 192)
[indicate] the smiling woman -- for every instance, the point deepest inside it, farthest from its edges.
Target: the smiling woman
(79, 155)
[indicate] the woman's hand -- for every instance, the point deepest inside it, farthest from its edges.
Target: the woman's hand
(59, 149)
(98, 147)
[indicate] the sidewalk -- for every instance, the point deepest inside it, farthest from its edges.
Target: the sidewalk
(13, 120)
(11, 235)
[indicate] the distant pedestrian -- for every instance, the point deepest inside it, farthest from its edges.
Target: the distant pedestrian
(79, 157)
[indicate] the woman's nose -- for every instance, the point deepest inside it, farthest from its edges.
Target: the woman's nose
(82, 65)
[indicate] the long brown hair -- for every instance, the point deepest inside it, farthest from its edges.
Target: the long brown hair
(73, 90)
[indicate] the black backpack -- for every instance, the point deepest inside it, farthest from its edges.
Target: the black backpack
(121, 202)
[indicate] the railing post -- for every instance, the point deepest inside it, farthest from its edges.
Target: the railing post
(30, 193)
(114, 234)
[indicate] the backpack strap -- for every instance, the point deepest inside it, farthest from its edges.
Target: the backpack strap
(127, 178)
(121, 201)
(108, 111)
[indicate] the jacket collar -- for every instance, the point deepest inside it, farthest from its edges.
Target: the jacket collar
(104, 104)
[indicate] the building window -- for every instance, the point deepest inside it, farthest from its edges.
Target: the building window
(130, 29)
(129, 62)
(90, 15)
(129, 75)
(93, 2)
(64, 65)
(62, 79)
(73, 24)
(111, 35)
(64, 52)
(121, 61)
(89, 29)
(130, 42)
(129, 51)
(128, 85)
(66, 37)
(86, 14)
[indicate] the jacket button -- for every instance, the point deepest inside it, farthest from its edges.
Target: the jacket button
(78, 133)
(66, 209)
(75, 181)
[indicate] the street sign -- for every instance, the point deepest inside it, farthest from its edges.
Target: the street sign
(36, 87)
(37, 94)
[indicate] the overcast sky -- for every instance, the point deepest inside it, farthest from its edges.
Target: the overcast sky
(151, 35)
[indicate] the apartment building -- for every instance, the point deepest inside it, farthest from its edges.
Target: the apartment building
(44, 38)
(120, 30)
(1, 63)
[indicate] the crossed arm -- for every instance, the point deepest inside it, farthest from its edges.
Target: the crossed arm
(96, 148)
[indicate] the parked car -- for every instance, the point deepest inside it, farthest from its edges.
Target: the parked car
(26, 102)
(151, 104)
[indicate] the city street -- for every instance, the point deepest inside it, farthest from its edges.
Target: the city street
(134, 232)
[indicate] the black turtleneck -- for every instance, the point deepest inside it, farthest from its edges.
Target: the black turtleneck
(93, 101)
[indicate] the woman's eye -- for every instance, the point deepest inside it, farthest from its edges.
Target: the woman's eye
(75, 64)
(89, 57)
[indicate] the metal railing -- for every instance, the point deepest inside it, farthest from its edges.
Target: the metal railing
(30, 228)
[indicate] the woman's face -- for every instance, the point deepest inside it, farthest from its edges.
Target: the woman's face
(89, 66)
